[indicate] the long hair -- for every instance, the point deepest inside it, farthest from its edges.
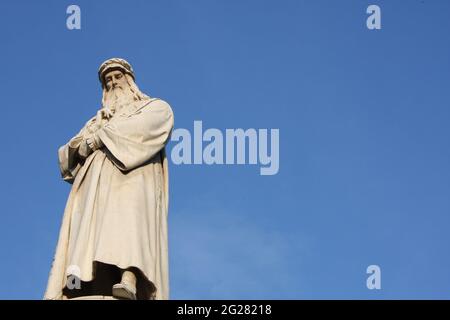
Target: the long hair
(137, 94)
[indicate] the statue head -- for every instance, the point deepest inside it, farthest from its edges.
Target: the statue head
(118, 82)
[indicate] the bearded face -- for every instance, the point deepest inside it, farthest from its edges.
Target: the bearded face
(118, 91)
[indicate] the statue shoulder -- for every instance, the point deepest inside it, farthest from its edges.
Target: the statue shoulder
(160, 103)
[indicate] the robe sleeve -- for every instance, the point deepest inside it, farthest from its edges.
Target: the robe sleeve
(69, 160)
(136, 138)
(72, 155)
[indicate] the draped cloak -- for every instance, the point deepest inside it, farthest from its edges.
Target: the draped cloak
(117, 208)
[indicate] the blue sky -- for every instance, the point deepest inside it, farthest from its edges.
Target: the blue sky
(363, 117)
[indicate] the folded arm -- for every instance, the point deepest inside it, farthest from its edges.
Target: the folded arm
(135, 139)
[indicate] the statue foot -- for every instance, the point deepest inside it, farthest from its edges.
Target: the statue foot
(124, 291)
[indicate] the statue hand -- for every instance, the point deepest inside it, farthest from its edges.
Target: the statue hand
(93, 142)
(84, 150)
(105, 113)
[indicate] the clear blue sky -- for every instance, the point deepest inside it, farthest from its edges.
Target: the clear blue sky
(364, 140)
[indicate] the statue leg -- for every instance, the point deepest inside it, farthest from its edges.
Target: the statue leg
(126, 289)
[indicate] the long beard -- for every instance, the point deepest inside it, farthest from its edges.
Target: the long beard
(117, 98)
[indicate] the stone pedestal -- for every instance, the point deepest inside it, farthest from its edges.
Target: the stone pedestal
(93, 298)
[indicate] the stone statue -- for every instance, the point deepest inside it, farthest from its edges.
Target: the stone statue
(113, 237)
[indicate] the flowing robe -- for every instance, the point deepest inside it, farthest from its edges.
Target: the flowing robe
(117, 208)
